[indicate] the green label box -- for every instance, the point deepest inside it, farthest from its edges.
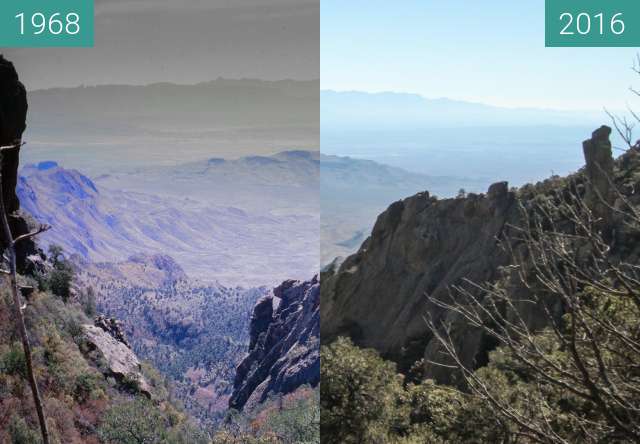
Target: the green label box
(46, 23)
(592, 23)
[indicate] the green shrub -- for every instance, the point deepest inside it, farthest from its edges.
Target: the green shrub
(21, 433)
(133, 422)
(13, 361)
(299, 423)
(359, 394)
(130, 383)
(87, 300)
(59, 282)
(87, 386)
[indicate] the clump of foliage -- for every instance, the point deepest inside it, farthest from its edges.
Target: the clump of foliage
(21, 433)
(12, 361)
(359, 393)
(289, 419)
(141, 421)
(363, 399)
(58, 275)
(298, 422)
(87, 300)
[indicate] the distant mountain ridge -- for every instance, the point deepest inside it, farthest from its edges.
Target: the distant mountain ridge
(391, 109)
(212, 242)
(100, 129)
(269, 184)
(227, 99)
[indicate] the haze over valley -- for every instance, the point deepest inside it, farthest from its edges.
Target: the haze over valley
(442, 137)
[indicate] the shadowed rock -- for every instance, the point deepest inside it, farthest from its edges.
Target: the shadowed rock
(420, 246)
(13, 122)
(13, 117)
(284, 353)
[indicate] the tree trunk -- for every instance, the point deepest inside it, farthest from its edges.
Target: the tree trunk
(10, 252)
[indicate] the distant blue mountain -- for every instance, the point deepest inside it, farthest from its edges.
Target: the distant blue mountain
(228, 244)
(355, 109)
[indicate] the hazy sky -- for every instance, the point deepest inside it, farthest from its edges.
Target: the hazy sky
(185, 41)
(487, 51)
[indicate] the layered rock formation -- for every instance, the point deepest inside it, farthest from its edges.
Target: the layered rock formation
(423, 246)
(284, 344)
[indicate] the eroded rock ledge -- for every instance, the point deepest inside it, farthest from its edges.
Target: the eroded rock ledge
(107, 345)
(284, 350)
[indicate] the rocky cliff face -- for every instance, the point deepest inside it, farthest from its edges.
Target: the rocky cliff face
(284, 344)
(13, 117)
(423, 246)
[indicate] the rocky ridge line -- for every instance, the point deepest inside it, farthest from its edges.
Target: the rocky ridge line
(424, 246)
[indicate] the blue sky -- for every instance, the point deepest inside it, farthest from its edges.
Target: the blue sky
(484, 51)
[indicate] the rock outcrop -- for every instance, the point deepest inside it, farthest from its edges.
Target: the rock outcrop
(419, 246)
(599, 171)
(107, 345)
(13, 118)
(13, 122)
(284, 344)
(423, 246)
(113, 327)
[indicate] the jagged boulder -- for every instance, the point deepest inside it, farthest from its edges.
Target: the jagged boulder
(420, 246)
(113, 327)
(284, 351)
(106, 343)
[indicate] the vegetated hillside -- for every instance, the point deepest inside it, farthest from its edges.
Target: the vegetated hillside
(226, 243)
(422, 246)
(83, 393)
(354, 191)
(194, 333)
